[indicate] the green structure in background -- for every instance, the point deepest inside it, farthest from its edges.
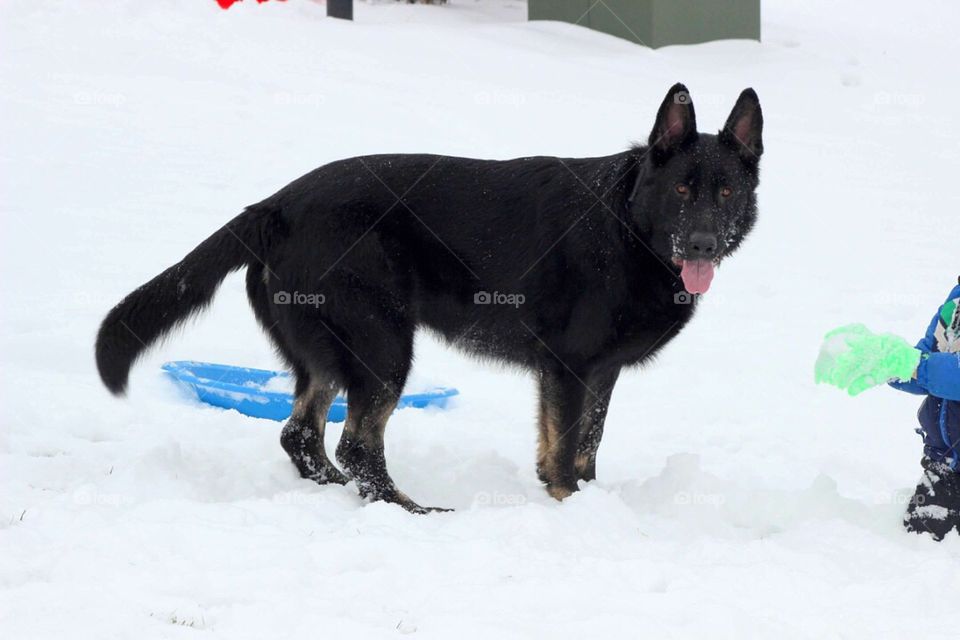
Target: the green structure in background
(657, 23)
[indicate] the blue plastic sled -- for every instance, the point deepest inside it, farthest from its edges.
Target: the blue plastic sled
(244, 389)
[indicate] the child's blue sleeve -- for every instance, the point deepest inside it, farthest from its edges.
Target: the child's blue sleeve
(939, 374)
(925, 345)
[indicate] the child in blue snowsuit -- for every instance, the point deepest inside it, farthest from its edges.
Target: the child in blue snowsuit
(855, 359)
(935, 505)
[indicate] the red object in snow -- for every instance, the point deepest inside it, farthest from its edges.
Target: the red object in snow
(226, 4)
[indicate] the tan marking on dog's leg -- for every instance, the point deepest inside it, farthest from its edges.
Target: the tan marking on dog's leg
(547, 439)
(548, 451)
(561, 401)
(369, 428)
(303, 434)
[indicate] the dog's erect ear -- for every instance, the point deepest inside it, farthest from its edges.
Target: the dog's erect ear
(744, 128)
(676, 123)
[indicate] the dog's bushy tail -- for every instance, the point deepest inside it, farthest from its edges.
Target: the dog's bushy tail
(153, 309)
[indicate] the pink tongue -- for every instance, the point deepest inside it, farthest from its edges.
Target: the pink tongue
(697, 275)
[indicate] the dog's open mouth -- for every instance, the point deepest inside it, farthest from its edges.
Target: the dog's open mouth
(696, 274)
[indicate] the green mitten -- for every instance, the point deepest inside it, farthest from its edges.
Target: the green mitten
(855, 359)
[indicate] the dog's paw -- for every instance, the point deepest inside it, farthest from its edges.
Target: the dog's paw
(328, 474)
(560, 491)
(586, 467)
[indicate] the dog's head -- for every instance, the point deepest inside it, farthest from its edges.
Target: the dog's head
(694, 200)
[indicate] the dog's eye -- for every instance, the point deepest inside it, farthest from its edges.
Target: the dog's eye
(682, 189)
(726, 192)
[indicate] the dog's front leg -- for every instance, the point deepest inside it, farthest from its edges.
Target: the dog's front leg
(562, 398)
(600, 385)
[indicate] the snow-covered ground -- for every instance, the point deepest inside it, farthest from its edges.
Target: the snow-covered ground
(735, 497)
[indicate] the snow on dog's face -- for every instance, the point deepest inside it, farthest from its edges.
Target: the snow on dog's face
(694, 200)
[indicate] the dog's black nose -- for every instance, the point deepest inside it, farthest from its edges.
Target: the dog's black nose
(703, 245)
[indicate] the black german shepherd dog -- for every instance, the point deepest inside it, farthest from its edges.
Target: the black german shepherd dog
(569, 268)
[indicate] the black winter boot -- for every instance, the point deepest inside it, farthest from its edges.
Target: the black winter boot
(935, 505)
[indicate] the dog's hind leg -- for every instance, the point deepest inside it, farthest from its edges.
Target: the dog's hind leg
(302, 435)
(378, 372)
(601, 386)
(562, 401)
